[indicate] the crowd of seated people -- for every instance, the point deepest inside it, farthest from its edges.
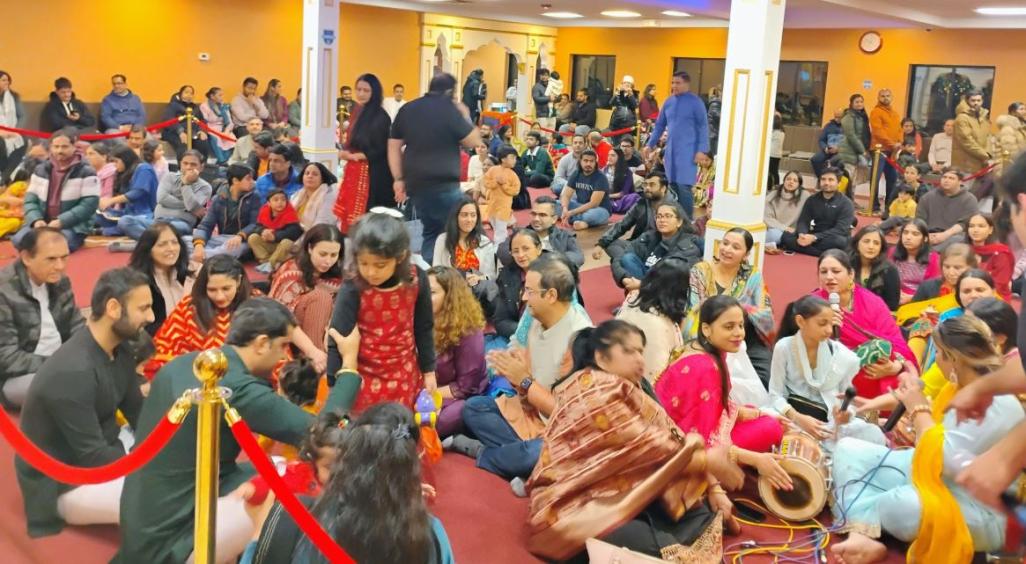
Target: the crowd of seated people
(490, 319)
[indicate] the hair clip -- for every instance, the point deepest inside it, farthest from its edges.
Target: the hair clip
(401, 432)
(343, 422)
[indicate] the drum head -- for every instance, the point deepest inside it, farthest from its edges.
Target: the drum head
(805, 501)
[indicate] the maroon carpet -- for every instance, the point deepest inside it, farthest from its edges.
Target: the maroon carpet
(483, 518)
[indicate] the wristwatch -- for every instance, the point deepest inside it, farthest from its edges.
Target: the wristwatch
(526, 383)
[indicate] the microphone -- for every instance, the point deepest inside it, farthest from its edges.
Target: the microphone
(835, 304)
(893, 419)
(849, 395)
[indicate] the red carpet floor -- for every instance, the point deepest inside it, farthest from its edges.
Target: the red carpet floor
(483, 518)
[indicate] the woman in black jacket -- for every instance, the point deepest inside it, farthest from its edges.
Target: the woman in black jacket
(625, 108)
(873, 270)
(177, 134)
(368, 140)
(525, 246)
(672, 237)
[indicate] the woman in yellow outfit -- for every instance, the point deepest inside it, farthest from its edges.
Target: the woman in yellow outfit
(911, 494)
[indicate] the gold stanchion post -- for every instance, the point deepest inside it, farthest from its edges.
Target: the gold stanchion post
(637, 135)
(188, 128)
(209, 367)
(874, 181)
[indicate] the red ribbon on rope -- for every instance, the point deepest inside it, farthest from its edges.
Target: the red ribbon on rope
(307, 523)
(91, 136)
(203, 125)
(78, 476)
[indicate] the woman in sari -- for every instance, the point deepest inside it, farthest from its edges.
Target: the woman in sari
(633, 480)
(695, 390)
(200, 321)
(730, 273)
(913, 257)
(867, 327)
(314, 201)
(994, 257)
(909, 493)
(307, 285)
(367, 180)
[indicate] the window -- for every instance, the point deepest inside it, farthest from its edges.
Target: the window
(597, 75)
(801, 87)
(936, 90)
(705, 74)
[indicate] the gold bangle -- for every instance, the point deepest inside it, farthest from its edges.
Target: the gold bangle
(921, 408)
(342, 371)
(717, 489)
(732, 454)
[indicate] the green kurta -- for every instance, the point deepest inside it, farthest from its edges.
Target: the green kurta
(157, 505)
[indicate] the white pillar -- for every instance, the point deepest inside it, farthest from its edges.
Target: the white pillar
(320, 81)
(749, 89)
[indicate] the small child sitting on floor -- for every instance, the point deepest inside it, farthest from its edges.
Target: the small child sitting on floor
(297, 382)
(902, 209)
(279, 228)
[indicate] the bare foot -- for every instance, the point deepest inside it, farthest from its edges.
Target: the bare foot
(580, 225)
(859, 549)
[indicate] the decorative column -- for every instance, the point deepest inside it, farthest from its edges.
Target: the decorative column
(749, 89)
(320, 81)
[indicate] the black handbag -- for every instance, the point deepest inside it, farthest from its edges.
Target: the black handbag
(805, 406)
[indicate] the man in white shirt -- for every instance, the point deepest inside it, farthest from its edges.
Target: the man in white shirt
(393, 104)
(37, 310)
(508, 429)
(940, 147)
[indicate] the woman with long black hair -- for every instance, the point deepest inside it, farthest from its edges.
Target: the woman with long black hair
(161, 255)
(367, 182)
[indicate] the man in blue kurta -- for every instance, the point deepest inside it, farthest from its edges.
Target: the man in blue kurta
(683, 116)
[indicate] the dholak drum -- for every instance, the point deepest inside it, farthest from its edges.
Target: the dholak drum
(804, 462)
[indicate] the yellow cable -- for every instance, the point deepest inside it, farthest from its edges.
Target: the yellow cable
(786, 547)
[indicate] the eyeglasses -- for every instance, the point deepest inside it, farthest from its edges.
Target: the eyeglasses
(531, 292)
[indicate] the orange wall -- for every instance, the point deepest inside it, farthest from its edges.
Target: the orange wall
(140, 39)
(647, 54)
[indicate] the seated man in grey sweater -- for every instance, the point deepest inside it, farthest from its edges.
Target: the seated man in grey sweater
(182, 198)
(946, 210)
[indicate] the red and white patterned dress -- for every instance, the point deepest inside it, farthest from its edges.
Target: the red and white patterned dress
(388, 352)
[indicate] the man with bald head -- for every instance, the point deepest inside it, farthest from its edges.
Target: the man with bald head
(37, 310)
(885, 129)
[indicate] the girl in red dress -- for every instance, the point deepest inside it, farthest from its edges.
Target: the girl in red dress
(388, 301)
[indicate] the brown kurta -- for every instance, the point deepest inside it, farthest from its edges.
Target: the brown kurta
(610, 451)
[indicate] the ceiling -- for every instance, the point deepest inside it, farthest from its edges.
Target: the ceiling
(714, 13)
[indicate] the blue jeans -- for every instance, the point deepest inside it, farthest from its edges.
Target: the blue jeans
(773, 235)
(134, 225)
(216, 246)
(685, 197)
(891, 176)
(433, 207)
(557, 185)
(75, 239)
(633, 265)
(593, 217)
(504, 452)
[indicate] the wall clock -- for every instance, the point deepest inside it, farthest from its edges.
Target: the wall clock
(870, 42)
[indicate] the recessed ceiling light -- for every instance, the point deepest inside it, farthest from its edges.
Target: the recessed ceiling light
(676, 14)
(621, 14)
(562, 15)
(1002, 11)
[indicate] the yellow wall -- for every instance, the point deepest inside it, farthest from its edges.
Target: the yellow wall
(490, 58)
(647, 54)
(144, 40)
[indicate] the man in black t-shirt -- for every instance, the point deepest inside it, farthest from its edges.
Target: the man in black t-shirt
(431, 129)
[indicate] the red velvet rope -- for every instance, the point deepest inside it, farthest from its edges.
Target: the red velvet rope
(570, 133)
(90, 136)
(74, 475)
(307, 523)
(208, 129)
(972, 176)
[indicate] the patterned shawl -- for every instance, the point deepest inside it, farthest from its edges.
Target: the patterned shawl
(748, 288)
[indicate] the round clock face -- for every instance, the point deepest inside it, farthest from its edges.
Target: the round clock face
(870, 42)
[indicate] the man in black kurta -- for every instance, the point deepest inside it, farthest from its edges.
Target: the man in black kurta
(825, 221)
(71, 405)
(157, 505)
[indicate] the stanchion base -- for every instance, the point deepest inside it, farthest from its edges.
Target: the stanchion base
(867, 213)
